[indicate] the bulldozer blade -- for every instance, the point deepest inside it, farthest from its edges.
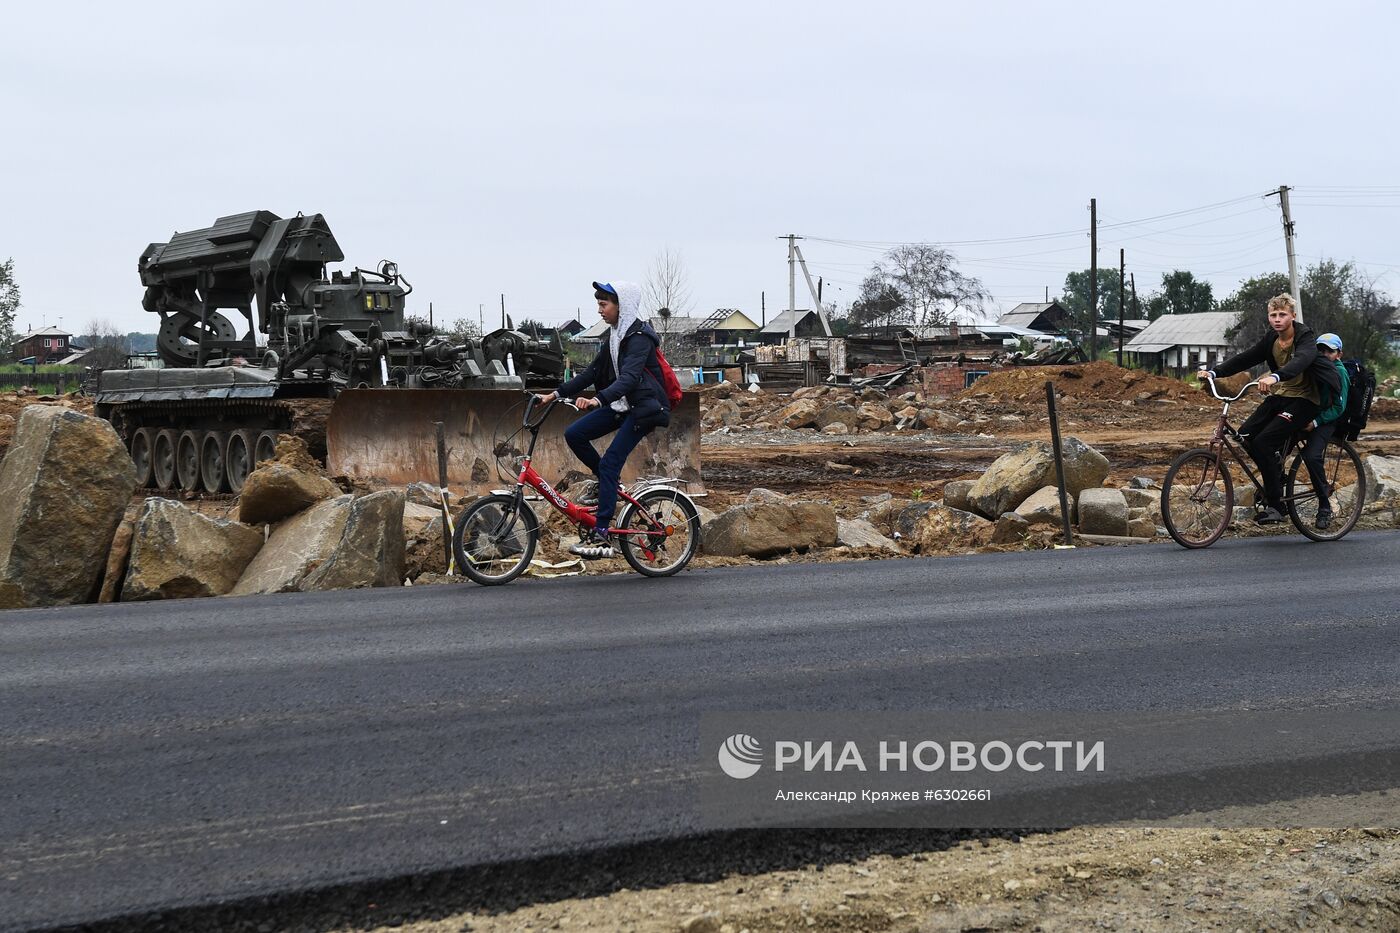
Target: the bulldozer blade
(390, 436)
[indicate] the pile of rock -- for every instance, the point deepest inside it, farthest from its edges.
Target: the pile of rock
(1016, 503)
(825, 409)
(65, 486)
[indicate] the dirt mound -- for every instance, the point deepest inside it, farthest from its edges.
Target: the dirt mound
(1099, 380)
(291, 452)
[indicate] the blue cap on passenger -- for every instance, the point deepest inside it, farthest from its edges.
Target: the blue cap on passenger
(604, 287)
(1331, 342)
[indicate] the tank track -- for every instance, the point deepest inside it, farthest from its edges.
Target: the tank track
(303, 417)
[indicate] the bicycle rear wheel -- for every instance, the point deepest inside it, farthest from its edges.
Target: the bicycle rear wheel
(1198, 498)
(674, 536)
(495, 538)
(1345, 480)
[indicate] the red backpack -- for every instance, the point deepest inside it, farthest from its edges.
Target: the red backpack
(669, 383)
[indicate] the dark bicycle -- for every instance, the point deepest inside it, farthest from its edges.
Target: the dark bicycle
(1198, 495)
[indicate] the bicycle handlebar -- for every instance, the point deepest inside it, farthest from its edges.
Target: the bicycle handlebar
(535, 400)
(1210, 380)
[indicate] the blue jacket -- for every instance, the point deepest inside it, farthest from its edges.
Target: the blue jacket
(638, 379)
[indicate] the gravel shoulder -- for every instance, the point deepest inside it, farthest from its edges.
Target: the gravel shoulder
(1114, 877)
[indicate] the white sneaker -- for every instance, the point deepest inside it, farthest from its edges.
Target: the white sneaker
(594, 546)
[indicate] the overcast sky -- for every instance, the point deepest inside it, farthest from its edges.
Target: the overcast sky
(528, 149)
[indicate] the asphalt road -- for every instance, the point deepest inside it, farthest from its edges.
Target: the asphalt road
(193, 751)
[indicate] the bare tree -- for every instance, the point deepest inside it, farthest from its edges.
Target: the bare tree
(928, 280)
(667, 285)
(108, 346)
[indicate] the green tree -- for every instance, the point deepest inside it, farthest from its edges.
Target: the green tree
(880, 305)
(1075, 300)
(1182, 293)
(1336, 298)
(9, 304)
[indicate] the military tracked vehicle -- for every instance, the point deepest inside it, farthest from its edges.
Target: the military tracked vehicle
(329, 358)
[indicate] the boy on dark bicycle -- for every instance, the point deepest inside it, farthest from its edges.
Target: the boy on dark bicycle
(1298, 383)
(630, 400)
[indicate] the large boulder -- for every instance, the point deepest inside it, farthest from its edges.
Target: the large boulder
(767, 528)
(907, 518)
(724, 411)
(1382, 477)
(1103, 512)
(856, 532)
(874, 416)
(955, 494)
(64, 486)
(799, 414)
(942, 528)
(338, 543)
(178, 553)
(275, 490)
(839, 413)
(1010, 529)
(1042, 507)
(1012, 477)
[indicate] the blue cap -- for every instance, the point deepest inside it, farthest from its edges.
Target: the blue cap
(604, 287)
(1331, 342)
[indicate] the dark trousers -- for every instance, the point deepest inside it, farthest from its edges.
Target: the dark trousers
(1313, 452)
(1267, 432)
(601, 422)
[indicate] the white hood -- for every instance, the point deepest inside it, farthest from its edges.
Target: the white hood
(629, 306)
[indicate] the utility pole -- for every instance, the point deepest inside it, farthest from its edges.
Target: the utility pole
(1093, 279)
(481, 316)
(762, 309)
(1122, 266)
(503, 309)
(792, 279)
(1282, 193)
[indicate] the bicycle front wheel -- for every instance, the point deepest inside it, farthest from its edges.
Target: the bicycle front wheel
(495, 538)
(1343, 490)
(1198, 498)
(672, 528)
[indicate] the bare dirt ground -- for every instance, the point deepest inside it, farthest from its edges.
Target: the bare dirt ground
(1107, 878)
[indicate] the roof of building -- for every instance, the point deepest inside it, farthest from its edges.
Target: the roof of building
(42, 332)
(1206, 329)
(733, 317)
(1004, 330)
(593, 332)
(785, 322)
(1028, 312)
(74, 357)
(676, 324)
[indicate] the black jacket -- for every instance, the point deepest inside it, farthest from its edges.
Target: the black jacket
(1305, 359)
(638, 379)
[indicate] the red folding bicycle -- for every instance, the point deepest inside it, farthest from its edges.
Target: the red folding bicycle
(657, 530)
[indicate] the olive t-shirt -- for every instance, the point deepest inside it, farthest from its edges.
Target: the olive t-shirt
(1301, 385)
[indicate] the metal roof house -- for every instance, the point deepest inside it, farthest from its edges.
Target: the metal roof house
(1180, 342)
(1045, 317)
(799, 322)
